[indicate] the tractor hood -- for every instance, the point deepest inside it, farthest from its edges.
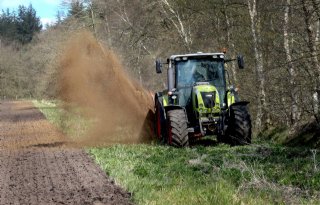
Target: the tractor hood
(205, 98)
(202, 97)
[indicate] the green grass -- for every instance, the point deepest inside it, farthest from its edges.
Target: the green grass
(276, 134)
(71, 122)
(257, 174)
(213, 175)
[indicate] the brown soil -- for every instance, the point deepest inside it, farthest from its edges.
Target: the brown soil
(36, 166)
(92, 77)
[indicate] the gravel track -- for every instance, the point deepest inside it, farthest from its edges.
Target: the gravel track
(37, 166)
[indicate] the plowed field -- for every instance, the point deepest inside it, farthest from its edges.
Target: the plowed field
(37, 165)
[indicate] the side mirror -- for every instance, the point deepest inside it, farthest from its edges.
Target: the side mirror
(240, 61)
(158, 66)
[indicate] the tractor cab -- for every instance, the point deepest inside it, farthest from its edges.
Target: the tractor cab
(198, 69)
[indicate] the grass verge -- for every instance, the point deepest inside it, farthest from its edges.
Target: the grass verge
(70, 122)
(257, 174)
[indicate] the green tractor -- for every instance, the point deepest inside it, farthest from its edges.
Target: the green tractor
(199, 103)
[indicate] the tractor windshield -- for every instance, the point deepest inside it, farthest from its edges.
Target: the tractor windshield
(193, 70)
(199, 70)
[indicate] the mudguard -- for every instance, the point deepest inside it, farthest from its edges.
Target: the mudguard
(232, 97)
(160, 117)
(240, 103)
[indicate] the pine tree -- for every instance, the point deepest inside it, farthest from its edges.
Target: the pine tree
(77, 9)
(8, 25)
(19, 27)
(27, 24)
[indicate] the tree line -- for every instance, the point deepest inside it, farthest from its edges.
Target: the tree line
(20, 25)
(279, 39)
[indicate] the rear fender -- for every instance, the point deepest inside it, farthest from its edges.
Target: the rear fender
(158, 99)
(244, 103)
(160, 129)
(231, 97)
(174, 107)
(162, 100)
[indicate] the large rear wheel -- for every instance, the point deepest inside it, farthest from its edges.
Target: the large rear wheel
(177, 128)
(239, 126)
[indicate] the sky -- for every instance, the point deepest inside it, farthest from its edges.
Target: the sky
(46, 9)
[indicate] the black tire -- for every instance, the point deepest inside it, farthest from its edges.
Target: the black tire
(239, 126)
(177, 128)
(223, 139)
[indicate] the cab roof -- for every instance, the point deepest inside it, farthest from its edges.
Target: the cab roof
(196, 54)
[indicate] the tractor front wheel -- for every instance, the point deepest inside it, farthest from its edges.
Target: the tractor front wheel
(239, 126)
(177, 128)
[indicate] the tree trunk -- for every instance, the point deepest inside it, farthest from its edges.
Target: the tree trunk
(230, 42)
(176, 20)
(294, 109)
(312, 46)
(262, 104)
(93, 19)
(317, 90)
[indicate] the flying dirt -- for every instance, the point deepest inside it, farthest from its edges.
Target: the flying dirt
(92, 78)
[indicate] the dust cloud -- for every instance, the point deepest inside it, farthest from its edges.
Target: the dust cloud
(92, 78)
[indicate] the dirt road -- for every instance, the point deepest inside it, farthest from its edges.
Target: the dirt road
(36, 166)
